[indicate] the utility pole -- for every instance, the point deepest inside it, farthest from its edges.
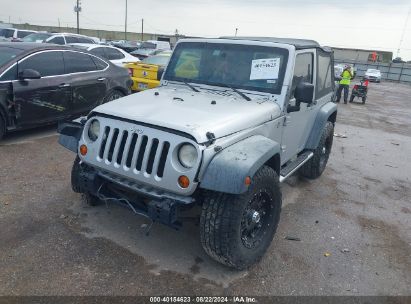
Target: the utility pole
(142, 29)
(77, 9)
(59, 23)
(125, 24)
(236, 30)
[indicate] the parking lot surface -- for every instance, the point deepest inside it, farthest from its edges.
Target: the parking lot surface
(353, 223)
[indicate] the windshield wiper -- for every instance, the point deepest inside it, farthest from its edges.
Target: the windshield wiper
(235, 90)
(190, 86)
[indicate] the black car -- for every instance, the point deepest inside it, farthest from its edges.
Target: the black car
(44, 83)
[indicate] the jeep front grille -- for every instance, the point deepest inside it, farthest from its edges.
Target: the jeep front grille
(140, 154)
(131, 151)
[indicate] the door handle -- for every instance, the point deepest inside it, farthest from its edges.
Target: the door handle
(101, 79)
(64, 85)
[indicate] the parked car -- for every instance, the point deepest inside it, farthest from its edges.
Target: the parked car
(13, 34)
(255, 111)
(147, 73)
(128, 46)
(398, 60)
(373, 75)
(150, 48)
(43, 83)
(115, 55)
(57, 38)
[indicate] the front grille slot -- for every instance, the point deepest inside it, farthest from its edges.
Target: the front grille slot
(163, 159)
(120, 152)
(131, 151)
(151, 156)
(141, 153)
(103, 143)
(113, 141)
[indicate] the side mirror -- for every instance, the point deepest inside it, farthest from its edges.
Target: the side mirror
(304, 92)
(29, 74)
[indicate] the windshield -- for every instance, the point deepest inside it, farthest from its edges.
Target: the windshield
(248, 67)
(7, 54)
(39, 37)
(157, 60)
(148, 45)
(373, 71)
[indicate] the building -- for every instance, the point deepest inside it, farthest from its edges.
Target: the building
(359, 55)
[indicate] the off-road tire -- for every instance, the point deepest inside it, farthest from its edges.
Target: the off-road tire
(89, 199)
(113, 95)
(222, 219)
(316, 165)
(352, 98)
(2, 127)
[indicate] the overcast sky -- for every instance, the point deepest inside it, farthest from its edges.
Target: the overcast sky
(376, 24)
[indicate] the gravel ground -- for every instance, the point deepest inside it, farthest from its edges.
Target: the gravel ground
(358, 212)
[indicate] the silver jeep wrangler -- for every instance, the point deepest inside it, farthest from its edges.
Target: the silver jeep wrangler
(232, 119)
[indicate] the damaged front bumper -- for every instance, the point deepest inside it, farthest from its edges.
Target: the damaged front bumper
(159, 206)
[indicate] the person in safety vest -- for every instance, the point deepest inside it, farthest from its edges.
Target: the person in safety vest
(345, 81)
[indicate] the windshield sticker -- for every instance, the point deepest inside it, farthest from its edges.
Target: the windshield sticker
(263, 69)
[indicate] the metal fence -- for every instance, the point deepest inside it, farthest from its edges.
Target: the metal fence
(400, 72)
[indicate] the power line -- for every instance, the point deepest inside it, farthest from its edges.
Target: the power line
(403, 32)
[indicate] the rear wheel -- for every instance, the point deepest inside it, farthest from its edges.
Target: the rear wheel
(316, 165)
(236, 230)
(364, 99)
(113, 95)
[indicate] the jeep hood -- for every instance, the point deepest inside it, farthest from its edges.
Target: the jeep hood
(193, 113)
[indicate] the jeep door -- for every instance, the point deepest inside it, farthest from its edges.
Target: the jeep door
(45, 99)
(88, 82)
(299, 123)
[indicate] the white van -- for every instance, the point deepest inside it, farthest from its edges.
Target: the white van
(14, 34)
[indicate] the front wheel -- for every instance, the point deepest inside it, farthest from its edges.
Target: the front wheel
(316, 165)
(76, 170)
(352, 98)
(236, 230)
(364, 99)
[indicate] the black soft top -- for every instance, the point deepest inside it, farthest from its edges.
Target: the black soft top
(299, 44)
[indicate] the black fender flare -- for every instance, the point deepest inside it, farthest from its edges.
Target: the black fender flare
(228, 170)
(323, 115)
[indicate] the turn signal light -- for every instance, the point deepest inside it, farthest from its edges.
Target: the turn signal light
(183, 181)
(83, 150)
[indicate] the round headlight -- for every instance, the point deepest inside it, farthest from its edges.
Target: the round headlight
(94, 130)
(187, 155)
